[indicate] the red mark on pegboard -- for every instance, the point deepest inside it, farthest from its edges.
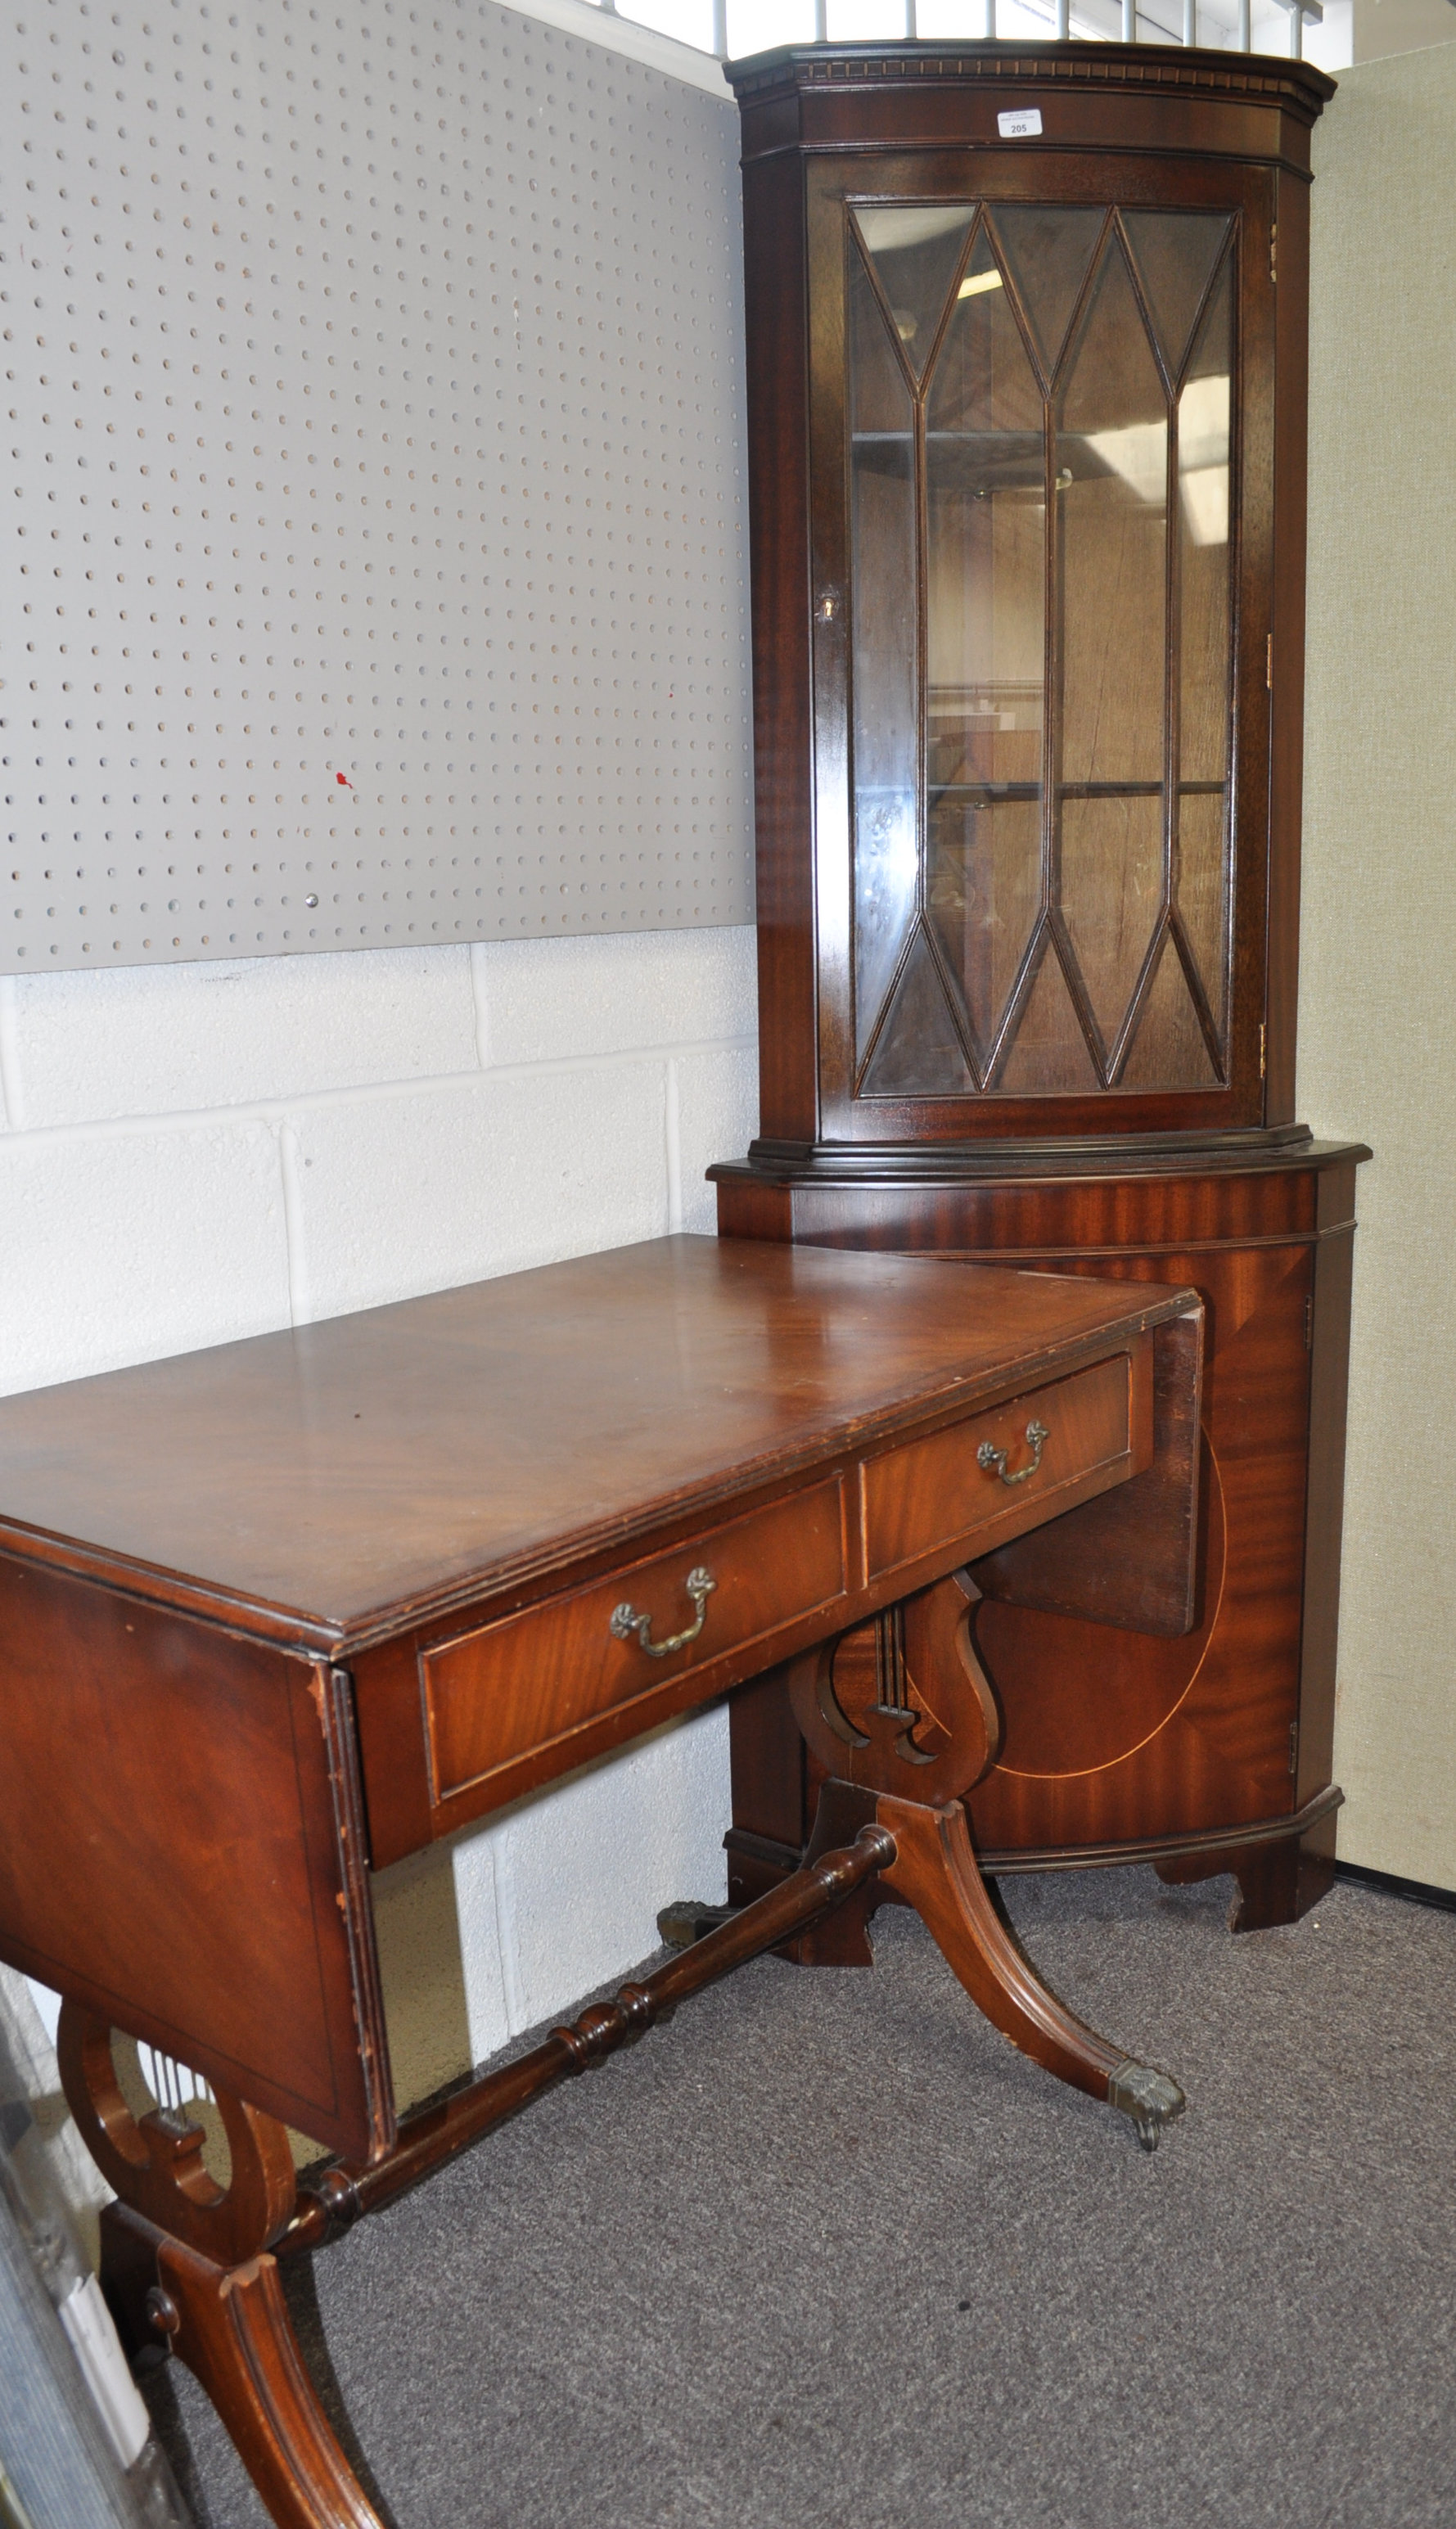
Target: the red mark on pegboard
(344, 781)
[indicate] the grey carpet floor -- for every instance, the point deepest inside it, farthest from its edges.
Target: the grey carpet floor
(825, 2252)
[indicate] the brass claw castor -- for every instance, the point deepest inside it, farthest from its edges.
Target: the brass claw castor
(1151, 2098)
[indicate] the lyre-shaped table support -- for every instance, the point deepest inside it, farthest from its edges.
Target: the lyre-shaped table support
(193, 2266)
(902, 1715)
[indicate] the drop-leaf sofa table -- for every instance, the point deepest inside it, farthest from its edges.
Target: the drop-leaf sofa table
(277, 1614)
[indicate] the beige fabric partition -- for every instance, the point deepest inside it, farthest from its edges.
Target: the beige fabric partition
(1383, 27)
(1377, 1002)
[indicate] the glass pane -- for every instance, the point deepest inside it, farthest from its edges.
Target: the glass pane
(919, 1054)
(983, 890)
(883, 650)
(1111, 457)
(1201, 862)
(1047, 253)
(1112, 893)
(915, 252)
(1175, 253)
(1168, 1050)
(952, 725)
(1206, 593)
(986, 633)
(1049, 1052)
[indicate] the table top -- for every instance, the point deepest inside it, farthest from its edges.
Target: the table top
(220, 1574)
(347, 1476)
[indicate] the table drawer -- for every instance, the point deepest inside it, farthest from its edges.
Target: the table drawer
(538, 1678)
(933, 1492)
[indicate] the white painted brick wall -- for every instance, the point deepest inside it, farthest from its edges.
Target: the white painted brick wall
(191, 1153)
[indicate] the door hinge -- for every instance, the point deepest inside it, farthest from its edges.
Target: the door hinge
(1263, 1054)
(1273, 252)
(1294, 1747)
(1308, 1321)
(1268, 664)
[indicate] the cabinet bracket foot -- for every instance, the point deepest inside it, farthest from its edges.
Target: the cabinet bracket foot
(688, 1920)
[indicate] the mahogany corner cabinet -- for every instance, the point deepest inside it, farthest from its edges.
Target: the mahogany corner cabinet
(1027, 381)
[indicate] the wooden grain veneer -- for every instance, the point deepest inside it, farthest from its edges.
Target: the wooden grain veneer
(1184, 1738)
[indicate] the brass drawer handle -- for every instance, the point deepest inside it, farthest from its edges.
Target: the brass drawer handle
(993, 1459)
(625, 1620)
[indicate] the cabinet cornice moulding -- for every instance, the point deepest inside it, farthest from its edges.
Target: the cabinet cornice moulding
(1297, 87)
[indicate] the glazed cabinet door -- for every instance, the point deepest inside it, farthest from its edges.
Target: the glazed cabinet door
(1041, 425)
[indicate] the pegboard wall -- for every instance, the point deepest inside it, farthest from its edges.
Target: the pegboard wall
(375, 566)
